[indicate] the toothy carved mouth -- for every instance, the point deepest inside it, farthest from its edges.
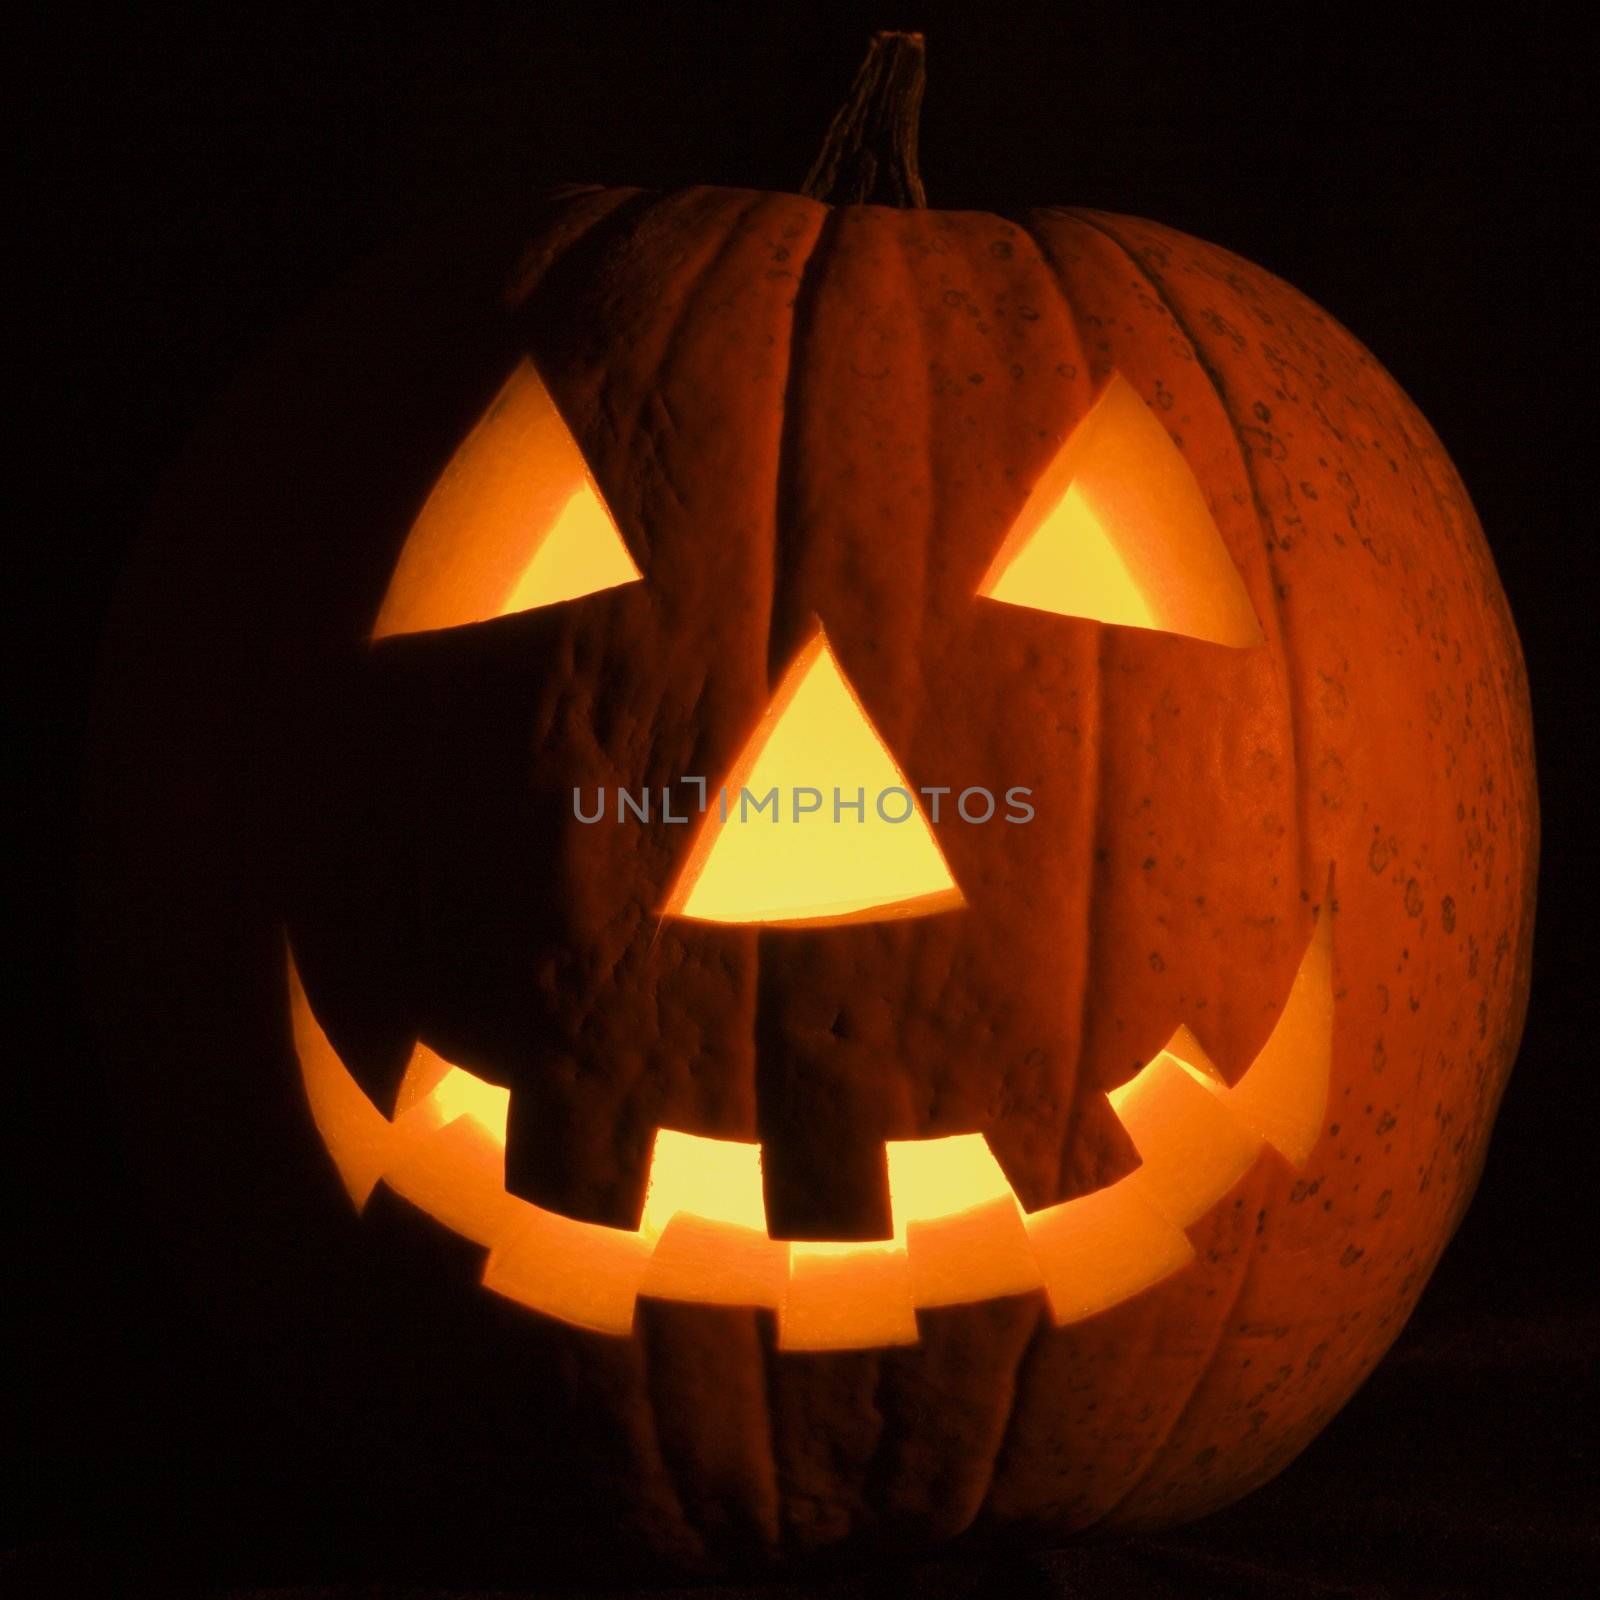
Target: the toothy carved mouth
(960, 1234)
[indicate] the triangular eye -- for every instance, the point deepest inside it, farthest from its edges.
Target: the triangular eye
(1117, 530)
(514, 522)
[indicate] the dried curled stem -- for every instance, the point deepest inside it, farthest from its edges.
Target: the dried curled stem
(870, 153)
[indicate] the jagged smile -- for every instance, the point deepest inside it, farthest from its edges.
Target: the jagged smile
(960, 1235)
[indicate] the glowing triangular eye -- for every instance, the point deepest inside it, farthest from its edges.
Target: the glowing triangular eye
(817, 823)
(514, 522)
(1117, 530)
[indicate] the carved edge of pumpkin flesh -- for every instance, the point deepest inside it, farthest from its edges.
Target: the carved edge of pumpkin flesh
(1197, 1138)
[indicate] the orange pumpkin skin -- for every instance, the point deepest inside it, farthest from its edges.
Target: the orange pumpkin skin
(801, 414)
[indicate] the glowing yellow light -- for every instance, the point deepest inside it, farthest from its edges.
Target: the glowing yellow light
(582, 553)
(807, 855)
(959, 1234)
(1191, 1055)
(1117, 530)
(1096, 1251)
(1196, 1137)
(460, 1094)
(847, 1297)
(424, 1072)
(580, 1272)
(959, 1219)
(718, 1179)
(716, 1263)
(1284, 1095)
(941, 1177)
(457, 1176)
(514, 522)
(1192, 1149)
(357, 1134)
(1071, 565)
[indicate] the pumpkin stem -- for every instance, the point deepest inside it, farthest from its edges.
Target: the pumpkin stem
(870, 154)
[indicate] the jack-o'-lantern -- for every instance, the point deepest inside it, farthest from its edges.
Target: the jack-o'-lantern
(956, 805)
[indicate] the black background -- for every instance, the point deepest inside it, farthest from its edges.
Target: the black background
(192, 177)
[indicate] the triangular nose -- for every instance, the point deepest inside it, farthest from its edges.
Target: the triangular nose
(816, 823)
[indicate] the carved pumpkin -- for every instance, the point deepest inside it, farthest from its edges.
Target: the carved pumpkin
(966, 1168)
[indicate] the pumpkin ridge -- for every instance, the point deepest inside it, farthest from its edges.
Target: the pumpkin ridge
(658, 1464)
(682, 1342)
(770, 1413)
(1028, 1357)
(1014, 1381)
(921, 357)
(617, 203)
(767, 1451)
(808, 287)
(703, 269)
(791, 621)
(808, 275)
(1292, 678)
(1058, 277)
(1073, 1123)
(768, 1357)
(875, 1472)
(1194, 1380)
(707, 269)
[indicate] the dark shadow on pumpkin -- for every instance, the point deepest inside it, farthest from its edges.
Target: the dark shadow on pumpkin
(442, 891)
(436, 897)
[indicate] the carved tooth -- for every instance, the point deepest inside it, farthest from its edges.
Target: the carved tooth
(425, 1071)
(978, 1254)
(1192, 1148)
(716, 1263)
(847, 1297)
(1097, 1250)
(959, 1219)
(579, 1272)
(1195, 1136)
(457, 1174)
(703, 1211)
